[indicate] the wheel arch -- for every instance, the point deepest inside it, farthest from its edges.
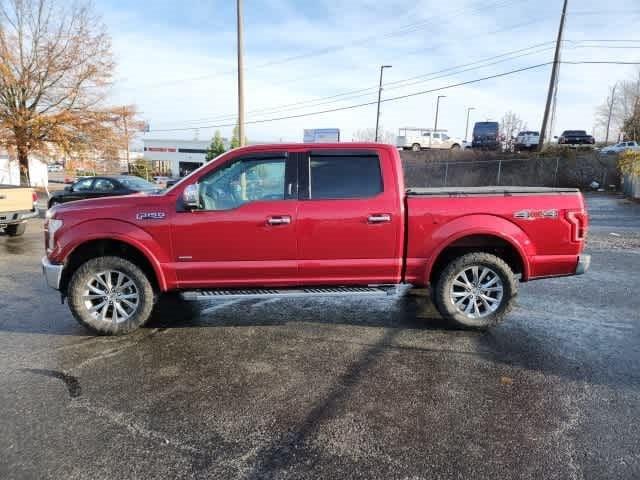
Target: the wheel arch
(501, 243)
(113, 246)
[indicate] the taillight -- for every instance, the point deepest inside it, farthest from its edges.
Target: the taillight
(34, 197)
(579, 221)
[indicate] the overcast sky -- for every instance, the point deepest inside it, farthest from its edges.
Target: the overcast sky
(176, 61)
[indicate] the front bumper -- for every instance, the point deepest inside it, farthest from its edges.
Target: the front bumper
(584, 262)
(52, 273)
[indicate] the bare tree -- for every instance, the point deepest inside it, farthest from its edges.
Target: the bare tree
(369, 135)
(55, 71)
(510, 125)
(623, 109)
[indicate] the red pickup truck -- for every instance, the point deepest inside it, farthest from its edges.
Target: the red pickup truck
(309, 219)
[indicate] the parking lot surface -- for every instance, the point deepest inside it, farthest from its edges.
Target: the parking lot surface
(314, 388)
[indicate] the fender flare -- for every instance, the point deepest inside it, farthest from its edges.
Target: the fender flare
(121, 231)
(482, 224)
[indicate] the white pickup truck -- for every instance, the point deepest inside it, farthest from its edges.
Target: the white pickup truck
(416, 139)
(17, 204)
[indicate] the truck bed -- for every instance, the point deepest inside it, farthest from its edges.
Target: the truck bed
(480, 191)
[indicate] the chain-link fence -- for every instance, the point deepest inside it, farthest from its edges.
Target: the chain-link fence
(533, 171)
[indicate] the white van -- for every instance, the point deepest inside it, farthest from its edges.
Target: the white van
(416, 139)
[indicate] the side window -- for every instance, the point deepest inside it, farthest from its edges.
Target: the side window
(436, 135)
(104, 185)
(83, 185)
(335, 177)
(426, 134)
(242, 182)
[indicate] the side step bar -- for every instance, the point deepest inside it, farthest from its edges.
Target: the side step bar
(369, 291)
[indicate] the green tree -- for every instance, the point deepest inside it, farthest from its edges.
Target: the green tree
(235, 139)
(216, 148)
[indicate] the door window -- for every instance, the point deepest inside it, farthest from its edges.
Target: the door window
(335, 177)
(436, 135)
(83, 185)
(104, 185)
(242, 182)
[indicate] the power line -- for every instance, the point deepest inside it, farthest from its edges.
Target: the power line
(400, 97)
(351, 107)
(410, 81)
(363, 92)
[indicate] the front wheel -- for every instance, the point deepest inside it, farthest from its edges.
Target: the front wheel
(475, 290)
(416, 147)
(110, 296)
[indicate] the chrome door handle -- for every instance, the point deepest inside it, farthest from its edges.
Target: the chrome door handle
(380, 218)
(279, 220)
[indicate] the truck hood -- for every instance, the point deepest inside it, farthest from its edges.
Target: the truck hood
(110, 203)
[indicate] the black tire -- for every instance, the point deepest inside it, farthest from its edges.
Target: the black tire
(416, 147)
(455, 146)
(78, 288)
(445, 289)
(16, 230)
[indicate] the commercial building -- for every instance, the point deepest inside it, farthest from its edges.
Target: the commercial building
(175, 158)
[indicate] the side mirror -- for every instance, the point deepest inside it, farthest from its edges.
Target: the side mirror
(191, 196)
(67, 188)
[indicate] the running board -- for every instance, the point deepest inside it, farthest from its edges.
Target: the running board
(370, 291)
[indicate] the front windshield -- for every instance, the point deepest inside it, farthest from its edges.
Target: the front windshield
(137, 183)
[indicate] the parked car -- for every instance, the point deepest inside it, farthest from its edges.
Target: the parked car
(527, 140)
(17, 204)
(575, 137)
(486, 136)
(621, 147)
(162, 180)
(55, 167)
(95, 187)
(417, 139)
(329, 219)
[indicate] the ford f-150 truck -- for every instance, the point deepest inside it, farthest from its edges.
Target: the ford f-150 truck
(17, 204)
(309, 219)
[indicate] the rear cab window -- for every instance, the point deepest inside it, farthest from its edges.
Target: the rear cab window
(333, 176)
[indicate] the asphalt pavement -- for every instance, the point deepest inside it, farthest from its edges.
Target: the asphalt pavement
(313, 388)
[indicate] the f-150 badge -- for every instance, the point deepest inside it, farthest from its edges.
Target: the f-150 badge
(150, 215)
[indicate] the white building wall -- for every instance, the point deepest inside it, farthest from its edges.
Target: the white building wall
(175, 151)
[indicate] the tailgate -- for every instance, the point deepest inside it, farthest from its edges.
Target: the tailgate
(15, 199)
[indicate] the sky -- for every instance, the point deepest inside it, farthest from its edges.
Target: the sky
(177, 62)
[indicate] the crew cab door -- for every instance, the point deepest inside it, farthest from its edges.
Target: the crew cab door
(350, 218)
(244, 233)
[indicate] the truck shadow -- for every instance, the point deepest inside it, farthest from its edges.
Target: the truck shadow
(410, 312)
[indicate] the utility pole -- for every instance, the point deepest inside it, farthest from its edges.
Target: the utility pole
(613, 97)
(435, 127)
(466, 129)
(554, 77)
(240, 76)
(382, 67)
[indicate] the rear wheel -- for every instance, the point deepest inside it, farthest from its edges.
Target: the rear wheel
(110, 296)
(455, 146)
(475, 290)
(415, 147)
(16, 230)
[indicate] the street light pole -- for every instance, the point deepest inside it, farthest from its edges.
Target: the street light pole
(466, 129)
(435, 127)
(240, 76)
(382, 67)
